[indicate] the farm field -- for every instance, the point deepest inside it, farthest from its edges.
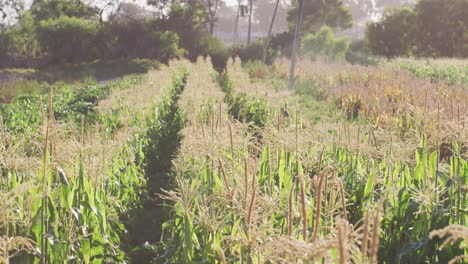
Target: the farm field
(185, 164)
(452, 70)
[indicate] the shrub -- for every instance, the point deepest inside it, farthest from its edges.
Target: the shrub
(249, 52)
(143, 65)
(323, 43)
(68, 39)
(213, 47)
(255, 51)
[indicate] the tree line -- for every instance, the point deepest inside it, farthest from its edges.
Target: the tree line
(76, 31)
(65, 31)
(432, 28)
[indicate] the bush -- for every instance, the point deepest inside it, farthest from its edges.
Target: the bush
(324, 43)
(213, 47)
(68, 39)
(137, 38)
(144, 65)
(250, 52)
(254, 51)
(257, 69)
(282, 43)
(359, 53)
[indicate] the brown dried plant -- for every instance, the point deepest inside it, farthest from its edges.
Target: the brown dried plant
(451, 234)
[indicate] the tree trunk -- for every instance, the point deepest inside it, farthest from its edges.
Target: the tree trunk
(249, 37)
(294, 47)
(236, 24)
(267, 41)
(212, 15)
(212, 24)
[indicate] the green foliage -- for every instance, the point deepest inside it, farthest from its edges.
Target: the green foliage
(258, 70)
(68, 39)
(88, 218)
(21, 39)
(53, 9)
(406, 221)
(394, 35)
(324, 43)
(249, 110)
(71, 216)
(213, 47)
(24, 114)
(139, 38)
(241, 107)
(359, 53)
(144, 65)
(433, 28)
(165, 132)
(453, 73)
(188, 22)
(161, 142)
(250, 52)
(64, 31)
(442, 28)
(317, 110)
(317, 13)
(282, 43)
(254, 51)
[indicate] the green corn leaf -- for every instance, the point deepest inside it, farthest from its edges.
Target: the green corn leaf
(188, 249)
(86, 250)
(369, 186)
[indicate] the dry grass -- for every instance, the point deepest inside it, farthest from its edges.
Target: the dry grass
(346, 242)
(451, 234)
(12, 246)
(399, 108)
(231, 150)
(242, 84)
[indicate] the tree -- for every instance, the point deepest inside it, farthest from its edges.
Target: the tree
(212, 7)
(68, 38)
(20, 40)
(442, 28)
(297, 31)
(432, 28)
(249, 35)
(263, 15)
(66, 29)
(52, 9)
(130, 33)
(393, 35)
(270, 29)
(316, 13)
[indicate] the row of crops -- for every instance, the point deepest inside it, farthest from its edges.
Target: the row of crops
(454, 72)
(256, 188)
(79, 207)
(220, 169)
